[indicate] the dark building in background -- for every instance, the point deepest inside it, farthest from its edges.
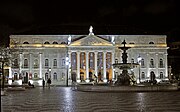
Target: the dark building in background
(174, 58)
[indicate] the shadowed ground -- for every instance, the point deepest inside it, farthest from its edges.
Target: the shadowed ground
(63, 99)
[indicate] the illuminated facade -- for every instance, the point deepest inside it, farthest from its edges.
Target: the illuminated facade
(45, 56)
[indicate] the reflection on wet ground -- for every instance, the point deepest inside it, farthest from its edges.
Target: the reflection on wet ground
(63, 99)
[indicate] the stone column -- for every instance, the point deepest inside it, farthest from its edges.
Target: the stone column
(40, 65)
(157, 66)
(104, 66)
(166, 66)
(30, 63)
(112, 62)
(20, 63)
(78, 66)
(147, 66)
(69, 68)
(87, 66)
(95, 63)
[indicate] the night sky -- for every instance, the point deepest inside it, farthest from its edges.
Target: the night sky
(125, 17)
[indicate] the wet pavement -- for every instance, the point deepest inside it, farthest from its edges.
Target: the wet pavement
(63, 99)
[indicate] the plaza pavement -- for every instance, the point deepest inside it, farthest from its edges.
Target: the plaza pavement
(63, 99)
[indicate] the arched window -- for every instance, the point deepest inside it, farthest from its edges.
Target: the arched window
(151, 42)
(25, 63)
(55, 42)
(161, 63)
(55, 62)
(55, 76)
(63, 42)
(116, 60)
(132, 60)
(63, 62)
(143, 75)
(151, 63)
(46, 76)
(46, 42)
(161, 75)
(62, 76)
(15, 64)
(142, 62)
(36, 64)
(15, 76)
(26, 43)
(35, 75)
(46, 63)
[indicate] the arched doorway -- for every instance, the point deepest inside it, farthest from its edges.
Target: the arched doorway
(99, 76)
(82, 76)
(107, 76)
(152, 76)
(90, 76)
(73, 76)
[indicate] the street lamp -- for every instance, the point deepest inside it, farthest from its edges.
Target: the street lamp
(139, 62)
(67, 64)
(4, 57)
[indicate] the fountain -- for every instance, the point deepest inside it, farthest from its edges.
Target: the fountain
(124, 78)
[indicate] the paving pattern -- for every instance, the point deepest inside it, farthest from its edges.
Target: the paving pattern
(63, 99)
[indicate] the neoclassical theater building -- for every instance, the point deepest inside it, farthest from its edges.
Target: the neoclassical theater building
(83, 57)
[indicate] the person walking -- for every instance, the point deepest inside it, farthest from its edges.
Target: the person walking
(49, 82)
(43, 82)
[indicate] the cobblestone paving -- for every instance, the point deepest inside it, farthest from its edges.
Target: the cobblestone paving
(63, 99)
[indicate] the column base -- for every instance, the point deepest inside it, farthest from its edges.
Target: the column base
(104, 80)
(87, 80)
(78, 81)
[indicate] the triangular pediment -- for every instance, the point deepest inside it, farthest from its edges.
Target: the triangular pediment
(91, 40)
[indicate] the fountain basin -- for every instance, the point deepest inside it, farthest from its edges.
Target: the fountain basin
(135, 88)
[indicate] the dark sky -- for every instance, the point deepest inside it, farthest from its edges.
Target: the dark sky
(75, 17)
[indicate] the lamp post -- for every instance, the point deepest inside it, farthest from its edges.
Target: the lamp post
(139, 62)
(4, 57)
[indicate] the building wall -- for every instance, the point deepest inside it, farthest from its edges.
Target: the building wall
(147, 46)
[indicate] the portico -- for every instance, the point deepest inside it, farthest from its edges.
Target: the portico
(88, 64)
(90, 57)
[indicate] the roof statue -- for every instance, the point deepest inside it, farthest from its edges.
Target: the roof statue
(91, 31)
(69, 39)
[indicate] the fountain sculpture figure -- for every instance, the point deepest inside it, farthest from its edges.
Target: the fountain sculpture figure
(124, 78)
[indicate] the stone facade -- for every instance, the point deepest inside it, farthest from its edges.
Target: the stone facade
(45, 56)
